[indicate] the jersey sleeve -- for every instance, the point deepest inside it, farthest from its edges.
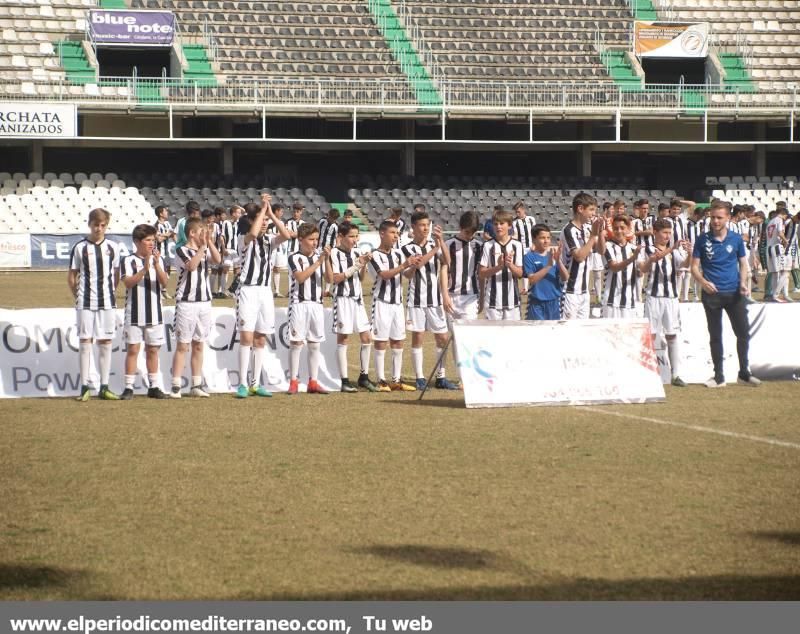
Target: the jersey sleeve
(126, 267)
(375, 263)
(529, 264)
(75, 258)
(486, 255)
(741, 252)
(570, 238)
(518, 254)
(338, 263)
(183, 254)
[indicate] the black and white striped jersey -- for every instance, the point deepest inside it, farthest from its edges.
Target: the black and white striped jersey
(502, 290)
(465, 256)
(619, 289)
(341, 261)
(573, 238)
(192, 286)
(230, 236)
(143, 301)
(389, 291)
(164, 229)
(744, 229)
(423, 289)
(401, 225)
(678, 229)
(663, 275)
(311, 290)
(256, 260)
(292, 226)
(643, 224)
(522, 230)
(96, 264)
(328, 232)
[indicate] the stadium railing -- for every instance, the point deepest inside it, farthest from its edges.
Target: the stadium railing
(387, 94)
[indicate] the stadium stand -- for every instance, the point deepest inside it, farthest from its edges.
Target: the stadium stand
(761, 192)
(756, 38)
(548, 199)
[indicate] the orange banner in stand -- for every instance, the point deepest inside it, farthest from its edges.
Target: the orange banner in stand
(671, 40)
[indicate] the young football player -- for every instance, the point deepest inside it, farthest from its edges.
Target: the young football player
(93, 276)
(144, 277)
(545, 272)
(499, 270)
(576, 246)
(425, 311)
(193, 304)
(388, 318)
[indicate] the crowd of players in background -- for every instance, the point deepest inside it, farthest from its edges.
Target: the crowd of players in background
(629, 265)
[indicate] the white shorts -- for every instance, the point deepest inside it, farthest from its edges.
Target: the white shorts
(502, 314)
(776, 259)
(664, 315)
(430, 319)
(575, 306)
(616, 312)
(388, 321)
(192, 321)
(231, 260)
(465, 307)
(151, 335)
(349, 316)
(306, 322)
(280, 260)
(96, 324)
(255, 309)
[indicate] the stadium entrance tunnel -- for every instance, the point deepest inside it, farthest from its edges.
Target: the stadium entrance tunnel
(121, 62)
(670, 71)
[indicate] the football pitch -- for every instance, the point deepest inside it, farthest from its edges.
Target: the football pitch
(381, 496)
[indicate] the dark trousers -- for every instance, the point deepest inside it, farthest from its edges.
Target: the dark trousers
(735, 305)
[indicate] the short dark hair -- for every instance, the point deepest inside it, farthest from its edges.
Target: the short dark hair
(419, 207)
(583, 200)
(419, 215)
(307, 229)
(99, 214)
(517, 205)
(252, 209)
(719, 204)
(606, 205)
(662, 223)
(333, 214)
(192, 206)
(537, 229)
(662, 206)
(675, 202)
(396, 211)
(218, 211)
(207, 213)
(140, 232)
(641, 203)
(346, 227)
(299, 206)
(621, 218)
(276, 207)
(386, 224)
(619, 202)
(469, 221)
(159, 209)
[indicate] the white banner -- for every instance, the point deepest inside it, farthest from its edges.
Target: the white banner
(15, 250)
(40, 120)
(671, 40)
(39, 352)
(774, 350)
(557, 363)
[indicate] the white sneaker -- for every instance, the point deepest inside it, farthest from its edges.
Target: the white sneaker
(750, 381)
(198, 391)
(712, 383)
(175, 392)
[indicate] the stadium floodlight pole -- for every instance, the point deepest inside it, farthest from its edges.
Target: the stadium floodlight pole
(436, 366)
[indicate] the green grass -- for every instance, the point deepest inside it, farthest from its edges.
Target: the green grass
(374, 496)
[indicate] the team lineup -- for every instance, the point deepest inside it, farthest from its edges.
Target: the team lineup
(639, 266)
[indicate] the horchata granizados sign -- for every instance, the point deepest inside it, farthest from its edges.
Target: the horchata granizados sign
(48, 120)
(671, 40)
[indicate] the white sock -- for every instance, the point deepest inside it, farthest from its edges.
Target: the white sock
(213, 282)
(416, 361)
(380, 360)
(276, 280)
(294, 361)
(197, 381)
(672, 353)
(258, 364)
(784, 284)
(341, 356)
(397, 364)
(244, 363)
(153, 380)
(85, 356)
(313, 360)
(105, 362)
(223, 281)
(366, 350)
(440, 371)
(129, 379)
